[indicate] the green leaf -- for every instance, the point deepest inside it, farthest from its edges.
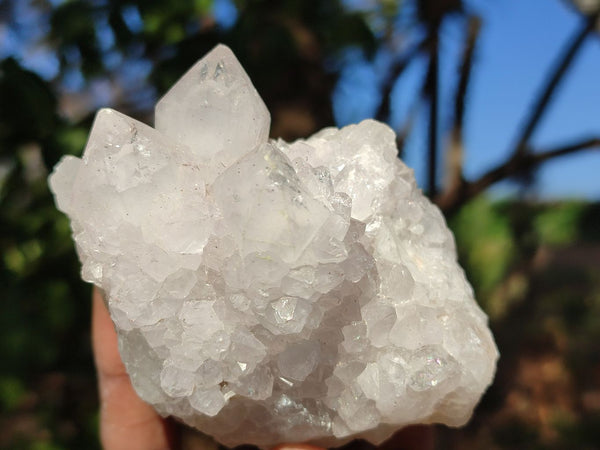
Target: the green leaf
(485, 243)
(559, 223)
(12, 392)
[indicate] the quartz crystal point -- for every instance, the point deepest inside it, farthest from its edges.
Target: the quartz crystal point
(215, 111)
(267, 292)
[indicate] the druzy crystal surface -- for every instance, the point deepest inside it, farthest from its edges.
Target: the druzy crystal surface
(265, 291)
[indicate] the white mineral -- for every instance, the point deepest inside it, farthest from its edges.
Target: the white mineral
(266, 292)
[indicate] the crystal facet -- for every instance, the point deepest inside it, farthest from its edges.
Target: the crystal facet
(266, 291)
(215, 110)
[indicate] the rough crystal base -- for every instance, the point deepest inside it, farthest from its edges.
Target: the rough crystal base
(268, 292)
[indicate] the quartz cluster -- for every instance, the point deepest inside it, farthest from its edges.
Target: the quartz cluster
(266, 291)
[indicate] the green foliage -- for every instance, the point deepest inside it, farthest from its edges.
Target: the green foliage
(73, 32)
(47, 376)
(291, 50)
(559, 225)
(485, 242)
(12, 392)
(32, 112)
(44, 306)
(540, 282)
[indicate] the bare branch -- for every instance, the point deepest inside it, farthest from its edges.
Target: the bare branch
(406, 128)
(556, 76)
(455, 152)
(540, 157)
(516, 165)
(398, 68)
(432, 94)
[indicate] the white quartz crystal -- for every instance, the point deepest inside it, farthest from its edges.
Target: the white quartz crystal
(268, 292)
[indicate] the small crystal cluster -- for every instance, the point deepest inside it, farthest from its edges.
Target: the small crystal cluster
(268, 292)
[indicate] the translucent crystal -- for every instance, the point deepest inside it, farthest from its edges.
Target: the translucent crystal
(215, 110)
(266, 292)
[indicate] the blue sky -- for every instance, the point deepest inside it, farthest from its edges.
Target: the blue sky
(512, 64)
(519, 42)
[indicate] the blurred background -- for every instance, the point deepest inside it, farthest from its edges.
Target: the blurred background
(497, 107)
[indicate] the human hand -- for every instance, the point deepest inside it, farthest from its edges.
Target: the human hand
(128, 423)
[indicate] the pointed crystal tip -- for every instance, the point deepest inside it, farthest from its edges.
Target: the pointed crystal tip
(215, 110)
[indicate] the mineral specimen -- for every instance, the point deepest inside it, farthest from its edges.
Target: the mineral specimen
(265, 291)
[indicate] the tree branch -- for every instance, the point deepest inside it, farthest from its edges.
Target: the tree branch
(517, 164)
(540, 157)
(383, 112)
(455, 151)
(406, 128)
(432, 94)
(556, 76)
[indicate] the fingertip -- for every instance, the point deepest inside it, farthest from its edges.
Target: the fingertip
(104, 339)
(126, 422)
